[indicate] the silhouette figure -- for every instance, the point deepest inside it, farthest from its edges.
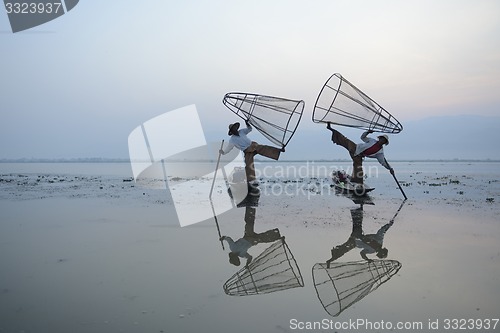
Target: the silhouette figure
(239, 249)
(369, 244)
(339, 285)
(274, 269)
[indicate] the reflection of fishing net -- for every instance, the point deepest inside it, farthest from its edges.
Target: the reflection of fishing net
(273, 270)
(276, 118)
(342, 284)
(341, 103)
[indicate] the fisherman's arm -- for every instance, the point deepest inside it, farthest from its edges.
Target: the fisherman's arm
(248, 129)
(227, 149)
(365, 134)
(226, 238)
(381, 159)
(229, 241)
(249, 259)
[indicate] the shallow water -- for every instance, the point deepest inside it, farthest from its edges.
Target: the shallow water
(98, 253)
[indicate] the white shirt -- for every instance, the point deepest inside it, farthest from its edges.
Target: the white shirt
(378, 237)
(240, 141)
(240, 247)
(367, 143)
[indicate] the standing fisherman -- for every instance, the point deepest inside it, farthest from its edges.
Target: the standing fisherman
(250, 148)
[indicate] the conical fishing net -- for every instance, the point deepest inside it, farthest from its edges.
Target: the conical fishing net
(274, 117)
(273, 270)
(341, 103)
(340, 285)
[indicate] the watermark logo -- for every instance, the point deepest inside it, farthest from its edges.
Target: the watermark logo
(26, 14)
(171, 150)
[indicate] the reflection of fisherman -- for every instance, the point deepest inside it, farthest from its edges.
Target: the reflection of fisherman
(250, 148)
(369, 244)
(369, 148)
(239, 249)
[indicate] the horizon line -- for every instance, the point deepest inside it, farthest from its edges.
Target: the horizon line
(127, 160)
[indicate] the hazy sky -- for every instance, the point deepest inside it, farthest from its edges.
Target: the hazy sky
(77, 86)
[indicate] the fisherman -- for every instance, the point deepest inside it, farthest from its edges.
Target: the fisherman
(250, 148)
(369, 148)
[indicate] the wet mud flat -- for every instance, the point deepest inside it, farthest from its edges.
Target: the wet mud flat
(100, 253)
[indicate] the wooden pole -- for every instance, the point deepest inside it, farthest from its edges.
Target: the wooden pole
(404, 195)
(215, 173)
(217, 225)
(400, 188)
(210, 195)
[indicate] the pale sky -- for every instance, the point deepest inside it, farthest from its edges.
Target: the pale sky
(78, 85)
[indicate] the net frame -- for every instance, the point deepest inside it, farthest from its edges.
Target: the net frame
(247, 282)
(381, 121)
(235, 101)
(378, 272)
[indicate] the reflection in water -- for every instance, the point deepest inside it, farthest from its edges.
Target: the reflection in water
(239, 248)
(251, 200)
(369, 244)
(272, 270)
(358, 200)
(341, 284)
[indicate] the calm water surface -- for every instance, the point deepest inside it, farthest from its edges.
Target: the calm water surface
(117, 261)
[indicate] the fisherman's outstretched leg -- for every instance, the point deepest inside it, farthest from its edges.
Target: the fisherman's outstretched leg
(339, 250)
(268, 151)
(268, 236)
(341, 140)
(357, 161)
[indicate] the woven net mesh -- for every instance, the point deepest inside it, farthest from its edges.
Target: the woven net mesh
(274, 117)
(341, 103)
(340, 285)
(275, 269)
